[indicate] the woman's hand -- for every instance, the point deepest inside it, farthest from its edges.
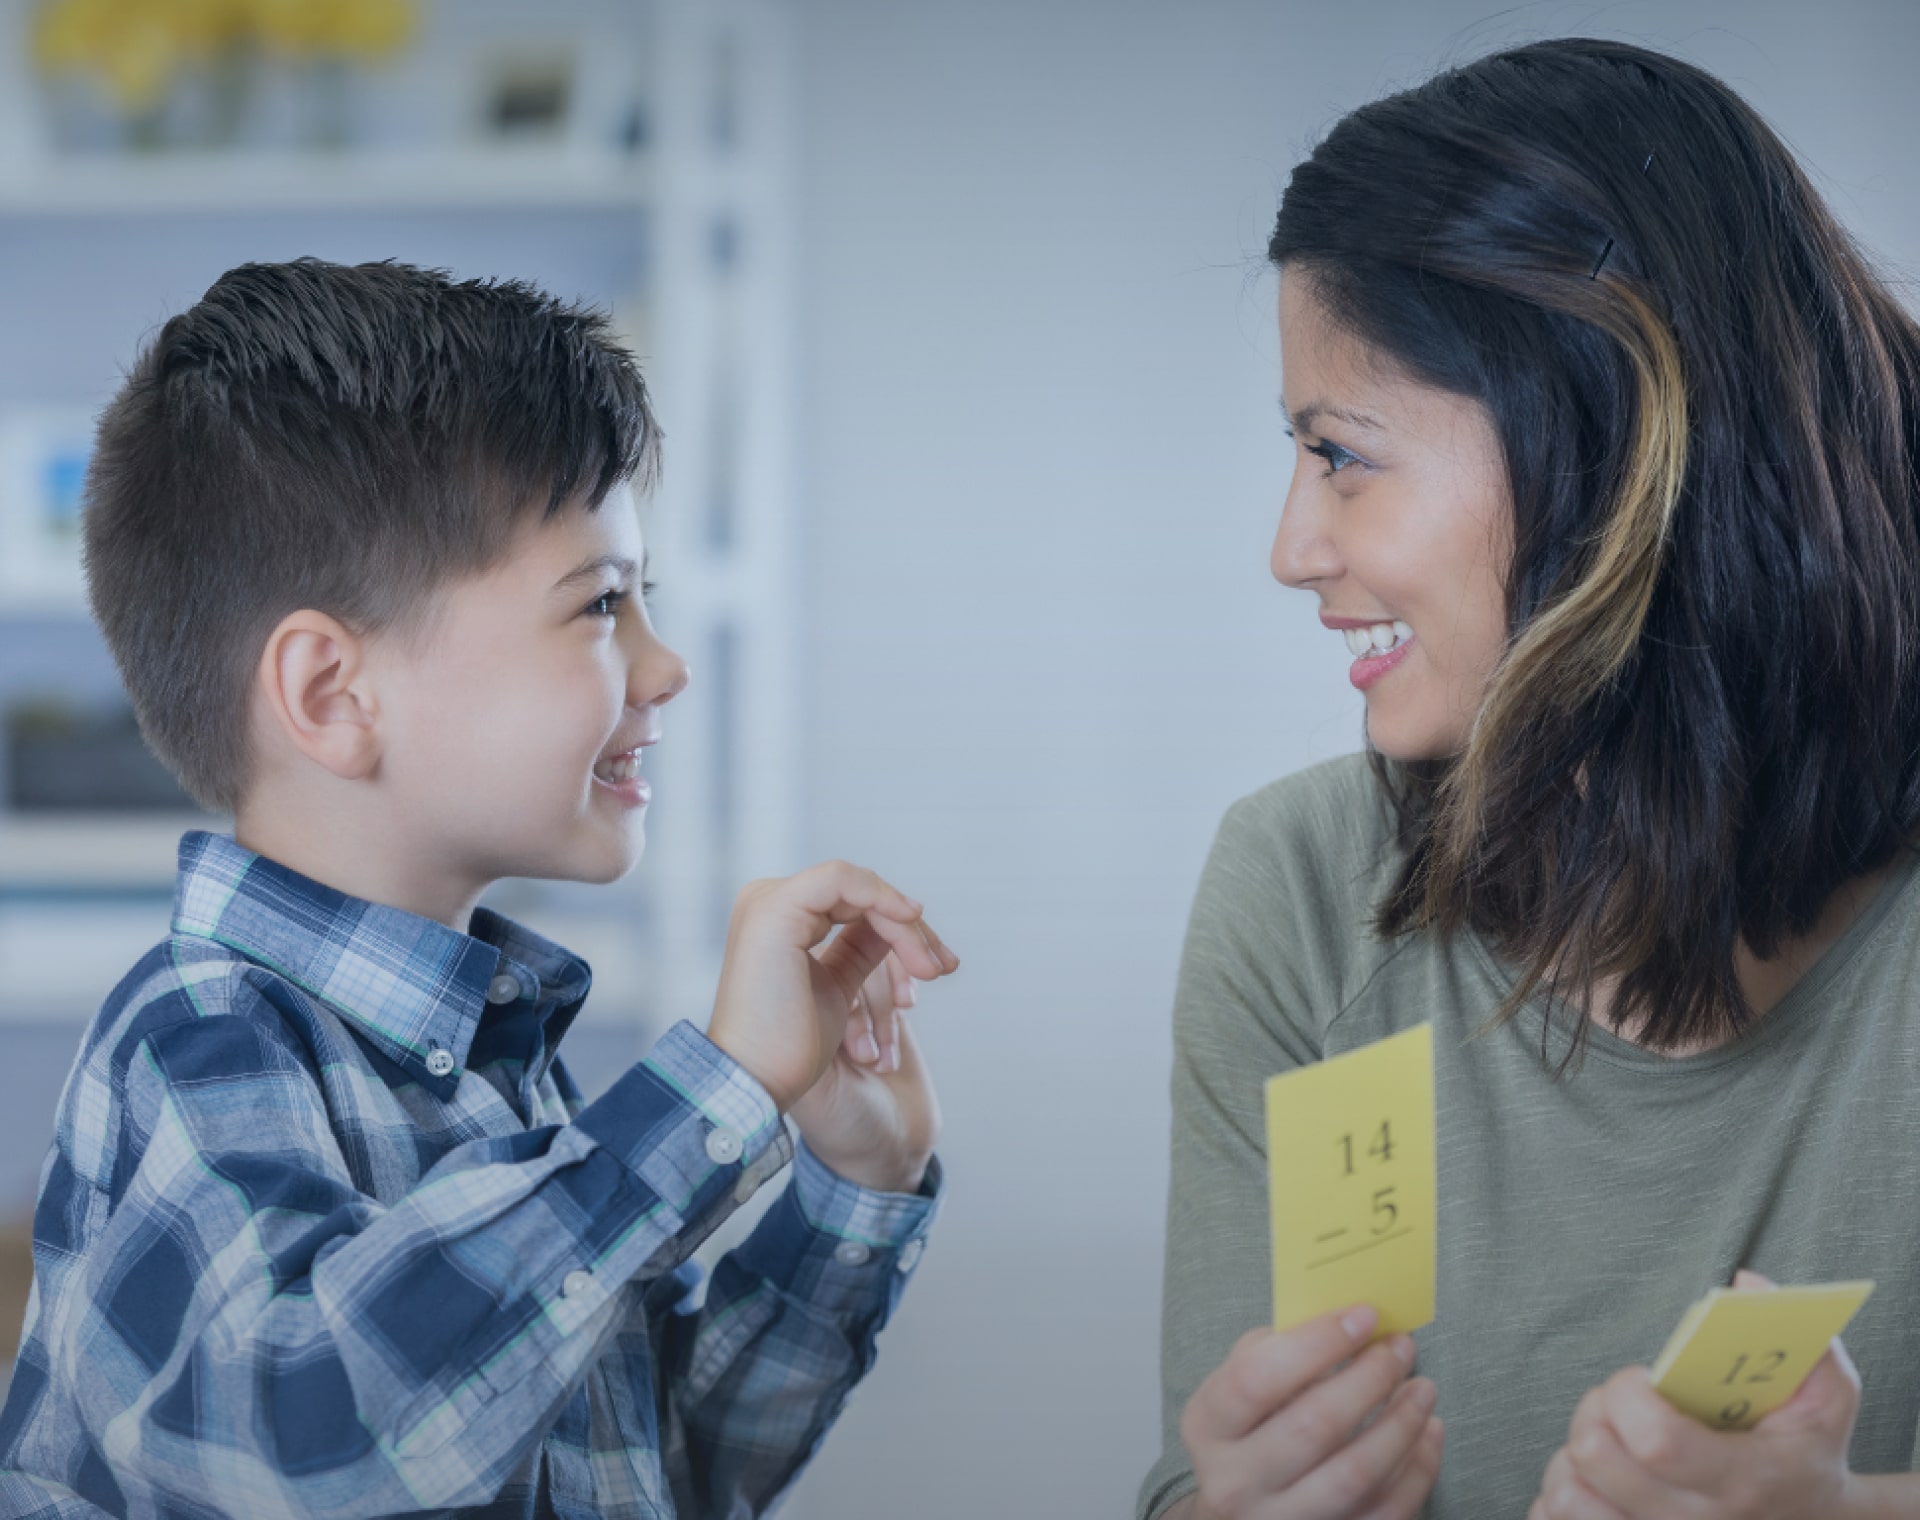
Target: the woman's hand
(1283, 1431)
(1630, 1455)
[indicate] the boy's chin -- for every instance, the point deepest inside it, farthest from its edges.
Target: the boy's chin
(614, 860)
(598, 860)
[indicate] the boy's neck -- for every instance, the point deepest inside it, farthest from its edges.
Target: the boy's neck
(360, 853)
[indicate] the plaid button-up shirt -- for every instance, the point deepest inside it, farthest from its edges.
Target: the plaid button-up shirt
(327, 1230)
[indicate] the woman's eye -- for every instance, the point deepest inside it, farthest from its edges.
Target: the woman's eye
(1336, 457)
(607, 604)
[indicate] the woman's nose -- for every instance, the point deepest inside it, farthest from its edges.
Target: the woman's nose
(1303, 555)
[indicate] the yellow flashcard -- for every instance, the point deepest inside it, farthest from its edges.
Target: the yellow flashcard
(1740, 1353)
(1351, 1172)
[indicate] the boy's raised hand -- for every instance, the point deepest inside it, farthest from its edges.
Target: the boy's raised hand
(873, 1116)
(787, 992)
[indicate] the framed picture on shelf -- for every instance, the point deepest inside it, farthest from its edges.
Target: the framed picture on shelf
(43, 469)
(556, 92)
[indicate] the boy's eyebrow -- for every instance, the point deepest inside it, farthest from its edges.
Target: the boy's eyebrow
(590, 571)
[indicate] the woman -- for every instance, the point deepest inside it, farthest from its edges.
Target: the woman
(1607, 474)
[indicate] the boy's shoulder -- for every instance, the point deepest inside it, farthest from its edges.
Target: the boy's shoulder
(184, 992)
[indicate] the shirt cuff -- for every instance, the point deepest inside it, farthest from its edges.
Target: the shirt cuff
(851, 1212)
(691, 1124)
(841, 1248)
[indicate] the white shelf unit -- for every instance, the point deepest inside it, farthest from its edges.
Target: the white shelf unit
(446, 179)
(710, 324)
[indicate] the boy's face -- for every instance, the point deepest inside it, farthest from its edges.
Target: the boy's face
(515, 719)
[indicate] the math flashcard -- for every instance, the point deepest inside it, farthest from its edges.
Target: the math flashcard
(1350, 1162)
(1740, 1353)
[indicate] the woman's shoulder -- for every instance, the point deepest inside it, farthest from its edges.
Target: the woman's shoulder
(1332, 821)
(1298, 871)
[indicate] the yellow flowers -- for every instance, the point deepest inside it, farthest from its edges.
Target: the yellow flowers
(136, 47)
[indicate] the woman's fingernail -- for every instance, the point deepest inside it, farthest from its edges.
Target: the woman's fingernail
(912, 997)
(865, 1048)
(1403, 1349)
(1359, 1322)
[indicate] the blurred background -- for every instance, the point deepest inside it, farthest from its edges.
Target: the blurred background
(962, 340)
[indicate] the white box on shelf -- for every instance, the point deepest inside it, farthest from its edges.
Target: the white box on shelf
(43, 465)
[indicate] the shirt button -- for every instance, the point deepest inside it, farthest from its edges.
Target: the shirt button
(851, 1253)
(910, 1254)
(504, 988)
(575, 1283)
(725, 1146)
(439, 1061)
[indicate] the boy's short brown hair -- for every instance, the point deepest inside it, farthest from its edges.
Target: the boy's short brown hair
(341, 438)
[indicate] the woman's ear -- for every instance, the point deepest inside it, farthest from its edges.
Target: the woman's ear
(318, 694)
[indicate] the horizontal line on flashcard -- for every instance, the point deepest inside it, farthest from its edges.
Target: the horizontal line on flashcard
(1378, 1240)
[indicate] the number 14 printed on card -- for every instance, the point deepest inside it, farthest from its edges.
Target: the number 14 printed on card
(1350, 1163)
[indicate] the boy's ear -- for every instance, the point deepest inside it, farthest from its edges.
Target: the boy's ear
(318, 693)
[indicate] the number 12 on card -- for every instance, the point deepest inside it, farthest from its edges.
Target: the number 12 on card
(1350, 1163)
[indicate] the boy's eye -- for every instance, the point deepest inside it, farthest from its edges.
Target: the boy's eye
(607, 604)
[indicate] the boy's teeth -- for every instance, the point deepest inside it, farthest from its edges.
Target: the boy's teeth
(1378, 639)
(620, 768)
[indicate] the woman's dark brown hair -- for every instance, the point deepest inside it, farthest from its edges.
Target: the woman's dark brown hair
(1708, 715)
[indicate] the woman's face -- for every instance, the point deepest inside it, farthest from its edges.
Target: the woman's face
(1399, 517)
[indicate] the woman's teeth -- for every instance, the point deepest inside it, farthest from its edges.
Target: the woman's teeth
(619, 768)
(1378, 639)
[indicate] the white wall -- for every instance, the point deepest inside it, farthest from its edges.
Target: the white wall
(1042, 463)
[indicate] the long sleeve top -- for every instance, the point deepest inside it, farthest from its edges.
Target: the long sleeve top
(327, 1230)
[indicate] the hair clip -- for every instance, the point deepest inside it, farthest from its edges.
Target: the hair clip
(1597, 263)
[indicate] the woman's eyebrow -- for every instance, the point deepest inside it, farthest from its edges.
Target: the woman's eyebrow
(1304, 419)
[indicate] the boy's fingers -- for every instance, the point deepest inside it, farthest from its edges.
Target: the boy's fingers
(851, 956)
(902, 979)
(859, 1037)
(1267, 1368)
(910, 943)
(837, 893)
(860, 947)
(834, 887)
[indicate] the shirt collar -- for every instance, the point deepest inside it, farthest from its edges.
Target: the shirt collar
(413, 986)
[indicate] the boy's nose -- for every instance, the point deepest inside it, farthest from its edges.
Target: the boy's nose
(663, 678)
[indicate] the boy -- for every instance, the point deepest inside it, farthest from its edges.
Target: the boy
(326, 1229)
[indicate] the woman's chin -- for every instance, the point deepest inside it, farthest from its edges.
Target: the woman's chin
(1409, 742)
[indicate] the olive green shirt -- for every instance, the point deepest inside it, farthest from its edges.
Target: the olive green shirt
(1579, 1216)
